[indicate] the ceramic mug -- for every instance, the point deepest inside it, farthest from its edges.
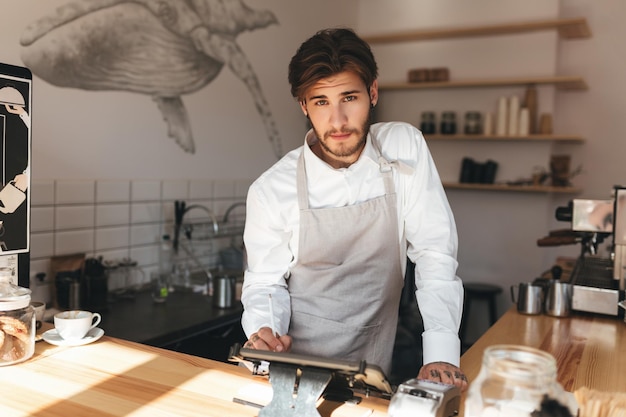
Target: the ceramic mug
(75, 324)
(529, 298)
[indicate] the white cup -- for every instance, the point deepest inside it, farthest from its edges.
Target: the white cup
(75, 324)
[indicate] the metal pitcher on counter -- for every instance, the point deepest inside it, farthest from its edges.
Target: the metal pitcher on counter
(529, 297)
(559, 299)
(224, 291)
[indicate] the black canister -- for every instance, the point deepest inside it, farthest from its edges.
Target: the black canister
(427, 125)
(467, 169)
(94, 285)
(489, 172)
(66, 296)
(448, 123)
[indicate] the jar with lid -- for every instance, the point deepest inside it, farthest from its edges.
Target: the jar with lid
(17, 321)
(473, 123)
(427, 125)
(448, 123)
(516, 381)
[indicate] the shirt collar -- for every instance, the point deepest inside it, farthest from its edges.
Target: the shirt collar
(315, 167)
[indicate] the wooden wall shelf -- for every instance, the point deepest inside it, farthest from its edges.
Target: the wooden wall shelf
(530, 138)
(514, 188)
(575, 28)
(562, 82)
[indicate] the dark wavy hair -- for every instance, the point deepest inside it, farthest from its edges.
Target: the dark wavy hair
(329, 52)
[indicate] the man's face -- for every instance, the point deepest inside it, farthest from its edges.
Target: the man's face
(338, 108)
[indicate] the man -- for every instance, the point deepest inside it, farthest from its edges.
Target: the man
(329, 226)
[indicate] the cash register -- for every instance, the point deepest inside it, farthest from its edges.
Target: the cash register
(598, 280)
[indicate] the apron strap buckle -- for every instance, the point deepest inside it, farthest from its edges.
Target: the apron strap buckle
(385, 166)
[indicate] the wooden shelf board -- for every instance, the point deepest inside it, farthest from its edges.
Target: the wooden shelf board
(562, 82)
(515, 188)
(573, 28)
(530, 138)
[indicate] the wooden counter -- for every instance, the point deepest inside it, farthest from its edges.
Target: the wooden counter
(589, 349)
(113, 377)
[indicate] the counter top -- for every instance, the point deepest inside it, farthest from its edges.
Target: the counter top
(113, 377)
(183, 315)
(589, 349)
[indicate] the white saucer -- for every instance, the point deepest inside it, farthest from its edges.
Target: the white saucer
(52, 337)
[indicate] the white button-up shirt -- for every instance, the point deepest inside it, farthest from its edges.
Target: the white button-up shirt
(426, 229)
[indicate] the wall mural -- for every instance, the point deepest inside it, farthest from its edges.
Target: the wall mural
(162, 48)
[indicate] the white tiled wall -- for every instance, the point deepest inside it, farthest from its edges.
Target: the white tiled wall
(119, 219)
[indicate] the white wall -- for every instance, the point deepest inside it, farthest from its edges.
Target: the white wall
(498, 231)
(598, 114)
(87, 142)
(83, 134)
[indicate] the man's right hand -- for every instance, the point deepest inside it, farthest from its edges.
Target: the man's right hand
(264, 339)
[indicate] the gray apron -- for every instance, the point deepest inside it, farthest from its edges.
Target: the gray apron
(345, 287)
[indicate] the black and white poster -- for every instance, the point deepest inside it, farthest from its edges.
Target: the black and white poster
(15, 139)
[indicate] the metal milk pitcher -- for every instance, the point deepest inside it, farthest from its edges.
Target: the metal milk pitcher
(529, 298)
(224, 291)
(559, 299)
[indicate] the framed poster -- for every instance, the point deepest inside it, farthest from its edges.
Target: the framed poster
(15, 158)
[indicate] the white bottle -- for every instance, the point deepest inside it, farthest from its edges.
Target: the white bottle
(512, 126)
(501, 121)
(488, 124)
(524, 122)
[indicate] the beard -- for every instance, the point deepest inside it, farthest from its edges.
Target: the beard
(343, 150)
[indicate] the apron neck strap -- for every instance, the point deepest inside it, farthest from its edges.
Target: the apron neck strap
(384, 164)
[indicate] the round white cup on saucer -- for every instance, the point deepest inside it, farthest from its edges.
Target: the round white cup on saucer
(74, 324)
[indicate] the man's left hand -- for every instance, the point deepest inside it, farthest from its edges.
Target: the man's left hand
(444, 372)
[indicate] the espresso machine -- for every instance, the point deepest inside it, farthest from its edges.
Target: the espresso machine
(599, 281)
(619, 237)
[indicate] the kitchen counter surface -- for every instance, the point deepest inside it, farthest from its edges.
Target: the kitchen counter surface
(589, 349)
(184, 315)
(113, 377)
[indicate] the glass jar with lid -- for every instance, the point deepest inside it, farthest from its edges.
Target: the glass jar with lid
(427, 125)
(516, 381)
(17, 321)
(448, 123)
(473, 123)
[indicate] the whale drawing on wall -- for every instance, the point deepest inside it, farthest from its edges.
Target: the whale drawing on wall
(162, 48)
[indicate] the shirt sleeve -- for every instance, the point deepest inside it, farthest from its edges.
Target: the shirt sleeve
(432, 242)
(268, 260)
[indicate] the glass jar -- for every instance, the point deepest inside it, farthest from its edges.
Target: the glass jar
(473, 123)
(17, 321)
(427, 125)
(448, 123)
(515, 381)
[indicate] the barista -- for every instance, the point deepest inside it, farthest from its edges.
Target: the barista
(329, 226)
